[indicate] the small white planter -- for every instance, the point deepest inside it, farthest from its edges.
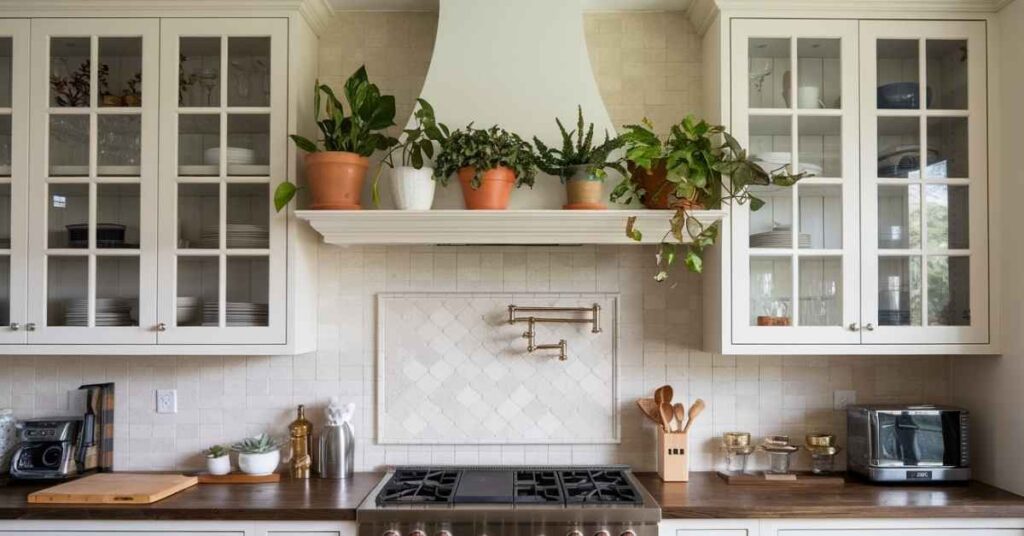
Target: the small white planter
(413, 189)
(259, 464)
(218, 466)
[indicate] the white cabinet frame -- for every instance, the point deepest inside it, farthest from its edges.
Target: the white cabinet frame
(18, 31)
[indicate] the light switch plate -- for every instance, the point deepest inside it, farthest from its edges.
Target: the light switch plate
(166, 401)
(841, 399)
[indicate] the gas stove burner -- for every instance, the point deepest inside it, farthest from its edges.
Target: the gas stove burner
(420, 486)
(538, 487)
(600, 486)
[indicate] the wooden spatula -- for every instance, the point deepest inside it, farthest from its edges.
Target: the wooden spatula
(663, 394)
(666, 416)
(695, 409)
(679, 412)
(650, 408)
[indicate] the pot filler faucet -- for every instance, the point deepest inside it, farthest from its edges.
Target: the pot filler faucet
(531, 321)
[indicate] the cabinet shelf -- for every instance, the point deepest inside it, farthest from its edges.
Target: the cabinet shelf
(523, 227)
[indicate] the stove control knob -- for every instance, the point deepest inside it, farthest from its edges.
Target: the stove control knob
(417, 532)
(602, 533)
(391, 532)
(628, 532)
(574, 533)
(443, 533)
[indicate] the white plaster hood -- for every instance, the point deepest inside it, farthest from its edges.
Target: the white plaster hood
(519, 65)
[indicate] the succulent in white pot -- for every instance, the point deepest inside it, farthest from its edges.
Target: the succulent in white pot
(259, 455)
(412, 180)
(218, 460)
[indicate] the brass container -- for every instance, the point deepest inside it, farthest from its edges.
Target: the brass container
(820, 440)
(736, 439)
(301, 433)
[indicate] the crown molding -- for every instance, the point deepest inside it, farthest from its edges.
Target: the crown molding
(701, 14)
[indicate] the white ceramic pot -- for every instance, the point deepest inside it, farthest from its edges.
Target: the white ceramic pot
(259, 464)
(218, 466)
(413, 189)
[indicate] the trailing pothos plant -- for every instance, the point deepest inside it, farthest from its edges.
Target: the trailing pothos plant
(362, 131)
(580, 151)
(417, 146)
(705, 167)
(484, 150)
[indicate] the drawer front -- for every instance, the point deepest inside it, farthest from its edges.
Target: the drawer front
(712, 532)
(903, 532)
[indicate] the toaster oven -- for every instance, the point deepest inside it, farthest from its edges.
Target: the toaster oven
(899, 443)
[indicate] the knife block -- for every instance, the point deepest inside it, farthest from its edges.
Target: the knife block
(673, 457)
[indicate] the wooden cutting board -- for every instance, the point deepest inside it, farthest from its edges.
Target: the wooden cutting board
(114, 488)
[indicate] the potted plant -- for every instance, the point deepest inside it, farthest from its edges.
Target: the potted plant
(580, 164)
(687, 171)
(218, 462)
(412, 182)
(336, 173)
(489, 164)
(258, 455)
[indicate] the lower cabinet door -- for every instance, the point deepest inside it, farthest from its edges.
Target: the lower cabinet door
(904, 532)
(713, 532)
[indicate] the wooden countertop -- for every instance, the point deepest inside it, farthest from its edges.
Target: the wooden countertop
(708, 496)
(289, 500)
(705, 496)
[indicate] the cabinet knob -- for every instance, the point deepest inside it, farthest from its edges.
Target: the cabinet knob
(15, 326)
(161, 327)
(854, 326)
(31, 326)
(869, 326)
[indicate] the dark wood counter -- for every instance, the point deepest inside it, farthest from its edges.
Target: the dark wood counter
(708, 496)
(290, 500)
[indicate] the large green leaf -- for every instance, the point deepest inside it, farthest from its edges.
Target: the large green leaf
(304, 144)
(284, 193)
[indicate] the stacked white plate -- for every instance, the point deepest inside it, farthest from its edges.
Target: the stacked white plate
(778, 239)
(188, 310)
(774, 160)
(238, 314)
(236, 155)
(109, 312)
(239, 235)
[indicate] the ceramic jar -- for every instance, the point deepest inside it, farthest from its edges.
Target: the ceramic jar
(259, 464)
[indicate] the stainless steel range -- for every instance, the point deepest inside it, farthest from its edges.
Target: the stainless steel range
(509, 501)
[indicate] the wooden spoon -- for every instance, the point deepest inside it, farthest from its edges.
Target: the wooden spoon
(650, 408)
(695, 409)
(666, 416)
(680, 414)
(663, 394)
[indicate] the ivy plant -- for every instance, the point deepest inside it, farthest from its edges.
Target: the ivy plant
(417, 146)
(484, 150)
(362, 131)
(580, 151)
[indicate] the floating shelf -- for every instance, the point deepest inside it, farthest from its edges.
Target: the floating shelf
(533, 227)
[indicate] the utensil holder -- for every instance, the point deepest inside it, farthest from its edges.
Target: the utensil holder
(673, 456)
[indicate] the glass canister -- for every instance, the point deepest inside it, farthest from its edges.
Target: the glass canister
(737, 451)
(823, 451)
(779, 450)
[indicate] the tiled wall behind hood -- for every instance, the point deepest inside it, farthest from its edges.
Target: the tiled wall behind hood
(221, 399)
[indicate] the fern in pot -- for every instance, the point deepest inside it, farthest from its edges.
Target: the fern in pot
(580, 164)
(412, 180)
(489, 164)
(258, 455)
(336, 167)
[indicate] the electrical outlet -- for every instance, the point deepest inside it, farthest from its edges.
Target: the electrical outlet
(166, 401)
(841, 399)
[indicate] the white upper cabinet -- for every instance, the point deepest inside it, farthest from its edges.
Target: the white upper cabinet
(868, 254)
(14, 178)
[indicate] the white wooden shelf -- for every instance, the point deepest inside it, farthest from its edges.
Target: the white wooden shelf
(534, 227)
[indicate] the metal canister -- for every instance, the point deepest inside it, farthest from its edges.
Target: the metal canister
(336, 453)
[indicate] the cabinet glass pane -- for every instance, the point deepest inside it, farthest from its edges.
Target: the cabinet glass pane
(69, 145)
(248, 281)
(118, 139)
(898, 73)
(117, 216)
(198, 145)
(771, 227)
(771, 291)
(67, 289)
(947, 148)
(5, 290)
(5, 146)
(199, 216)
(820, 83)
(947, 73)
(248, 216)
(117, 291)
(70, 71)
(821, 146)
(199, 71)
(6, 51)
(821, 216)
(899, 216)
(899, 291)
(821, 291)
(248, 151)
(198, 279)
(68, 216)
(948, 212)
(769, 72)
(120, 71)
(899, 147)
(771, 141)
(949, 291)
(249, 71)
(5, 216)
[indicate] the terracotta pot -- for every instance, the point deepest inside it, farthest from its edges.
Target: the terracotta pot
(657, 190)
(495, 188)
(584, 190)
(335, 179)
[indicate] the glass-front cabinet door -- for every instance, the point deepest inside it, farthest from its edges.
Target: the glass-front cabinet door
(924, 182)
(14, 177)
(795, 261)
(92, 262)
(223, 150)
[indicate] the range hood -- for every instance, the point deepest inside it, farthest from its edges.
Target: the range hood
(519, 65)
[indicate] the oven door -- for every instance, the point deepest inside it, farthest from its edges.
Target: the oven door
(917, 438)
